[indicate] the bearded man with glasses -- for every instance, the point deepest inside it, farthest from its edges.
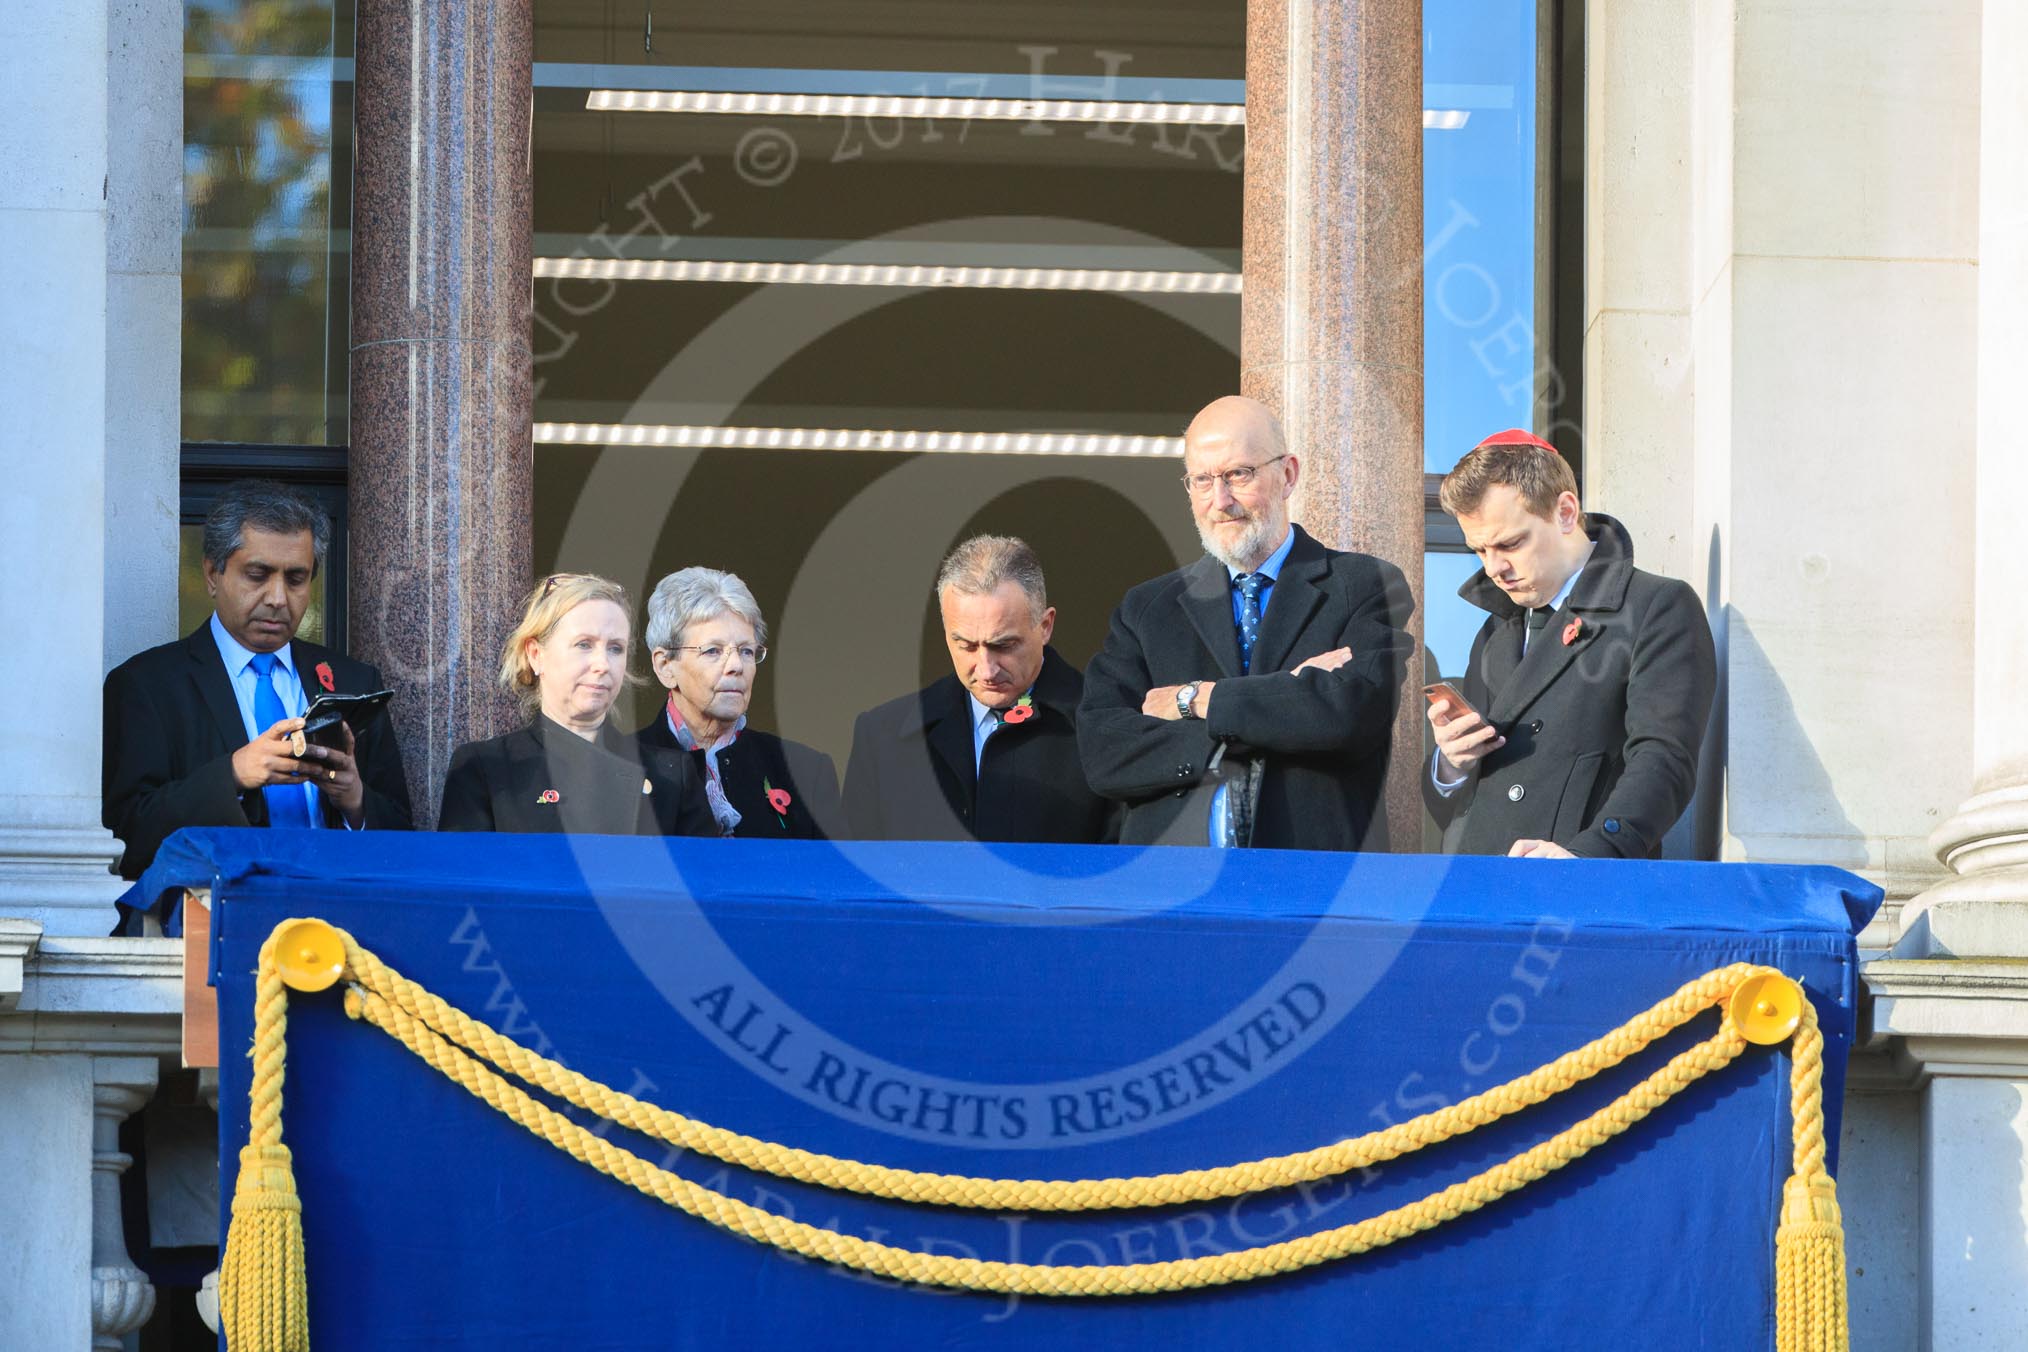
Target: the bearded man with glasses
(1248, 699)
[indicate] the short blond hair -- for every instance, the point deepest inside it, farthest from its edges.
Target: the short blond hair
(1539, 476)
(551, 599)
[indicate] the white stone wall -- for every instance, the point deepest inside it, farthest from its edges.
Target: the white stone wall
(1807, 310)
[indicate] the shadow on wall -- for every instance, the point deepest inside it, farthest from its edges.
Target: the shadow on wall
(1699, 832)
(1777, 791)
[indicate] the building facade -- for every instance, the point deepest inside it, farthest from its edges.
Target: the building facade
(536, 284)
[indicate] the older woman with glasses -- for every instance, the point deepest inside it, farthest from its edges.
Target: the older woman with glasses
(707, 639)
(569, 769)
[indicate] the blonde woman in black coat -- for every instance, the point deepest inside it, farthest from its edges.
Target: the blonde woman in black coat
(569, 769)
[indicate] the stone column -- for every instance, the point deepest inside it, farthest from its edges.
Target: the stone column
(122, 1298)
(1955, 988)
(46, 1205)
(1985, 842)
(1331, 318)
(442, 392)
(144, 323)
(53, 183)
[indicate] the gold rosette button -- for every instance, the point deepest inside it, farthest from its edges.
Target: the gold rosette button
(309, 955)
(1766, 1008)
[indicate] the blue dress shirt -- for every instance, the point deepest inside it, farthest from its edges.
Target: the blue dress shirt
(1221, 825)
(288, 684)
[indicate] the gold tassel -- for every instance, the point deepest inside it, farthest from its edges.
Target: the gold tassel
(1810, 1268)
(263, 1289)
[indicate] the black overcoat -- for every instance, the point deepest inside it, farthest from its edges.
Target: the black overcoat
(1320, 740)
(755, 763)
(910, 776)
(1602, 721)
(545, 778)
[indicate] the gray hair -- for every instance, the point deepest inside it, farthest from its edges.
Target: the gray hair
(979, 565)
(694, 595)
(264, 505)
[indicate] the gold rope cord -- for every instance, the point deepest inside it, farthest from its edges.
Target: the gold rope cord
(263, 1292)
(1007, 1194)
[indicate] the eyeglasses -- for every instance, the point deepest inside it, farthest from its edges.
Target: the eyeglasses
(714, 654)
(1234, 479)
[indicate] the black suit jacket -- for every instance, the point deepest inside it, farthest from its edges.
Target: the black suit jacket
(755, 762)
(1602, 732)
(172, 724)
(544, 778)
(1320, 740)
(911, 777)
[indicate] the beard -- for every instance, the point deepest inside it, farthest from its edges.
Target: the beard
(1246, 550)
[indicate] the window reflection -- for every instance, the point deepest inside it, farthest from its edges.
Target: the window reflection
(267, 169)
(1480, 340)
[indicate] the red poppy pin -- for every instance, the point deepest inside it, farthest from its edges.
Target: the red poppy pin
(1570, 631)
(325, 679)
(549, 796)
(779, 800)
(1023, 710)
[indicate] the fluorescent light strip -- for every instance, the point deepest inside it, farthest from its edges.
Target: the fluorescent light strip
(886, 274)
(834, 439)
(925, 106)
(912, 106)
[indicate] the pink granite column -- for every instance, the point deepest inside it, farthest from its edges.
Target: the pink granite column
(442, 379)
(1331, 319)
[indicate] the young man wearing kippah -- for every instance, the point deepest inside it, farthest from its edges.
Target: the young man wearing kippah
(1589, 683)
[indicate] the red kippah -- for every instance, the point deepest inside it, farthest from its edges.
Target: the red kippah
(1516, 436)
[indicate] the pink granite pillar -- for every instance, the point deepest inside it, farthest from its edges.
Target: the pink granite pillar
(1331, 318)
(442, 377)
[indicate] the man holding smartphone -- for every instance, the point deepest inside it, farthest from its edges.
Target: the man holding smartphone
(1574, 732)
(206, 731)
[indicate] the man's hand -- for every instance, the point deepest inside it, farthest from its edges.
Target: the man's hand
(1538, 849)
(1329, 661)
(1464, 739)
(336, 770)
(268, 759)
(1161, 701)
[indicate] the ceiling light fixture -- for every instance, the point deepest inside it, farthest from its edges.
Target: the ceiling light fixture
(868, 439)
(887, 274)
(912, 106)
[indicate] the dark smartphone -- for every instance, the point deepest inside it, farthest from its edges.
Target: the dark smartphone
(326, 712)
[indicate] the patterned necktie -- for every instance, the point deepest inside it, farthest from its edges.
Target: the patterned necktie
(1538, 620)
(285, 801)
(1249, 585)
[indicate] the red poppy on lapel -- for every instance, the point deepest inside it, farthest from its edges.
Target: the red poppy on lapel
(1570, 630)
(549, 796)
(1023, 710)
(779, 800)
(325, 679)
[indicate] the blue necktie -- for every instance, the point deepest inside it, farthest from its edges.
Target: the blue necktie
(285, 801)
(1249, 616)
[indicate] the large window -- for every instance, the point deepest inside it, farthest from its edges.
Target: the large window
(741, 310)
(267, 178)
(723, 269)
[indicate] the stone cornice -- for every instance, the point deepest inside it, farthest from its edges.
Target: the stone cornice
(1951, 1016)
(103, 996)
(18, 941)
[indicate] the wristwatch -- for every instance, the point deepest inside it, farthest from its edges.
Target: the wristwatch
(1186, 698)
